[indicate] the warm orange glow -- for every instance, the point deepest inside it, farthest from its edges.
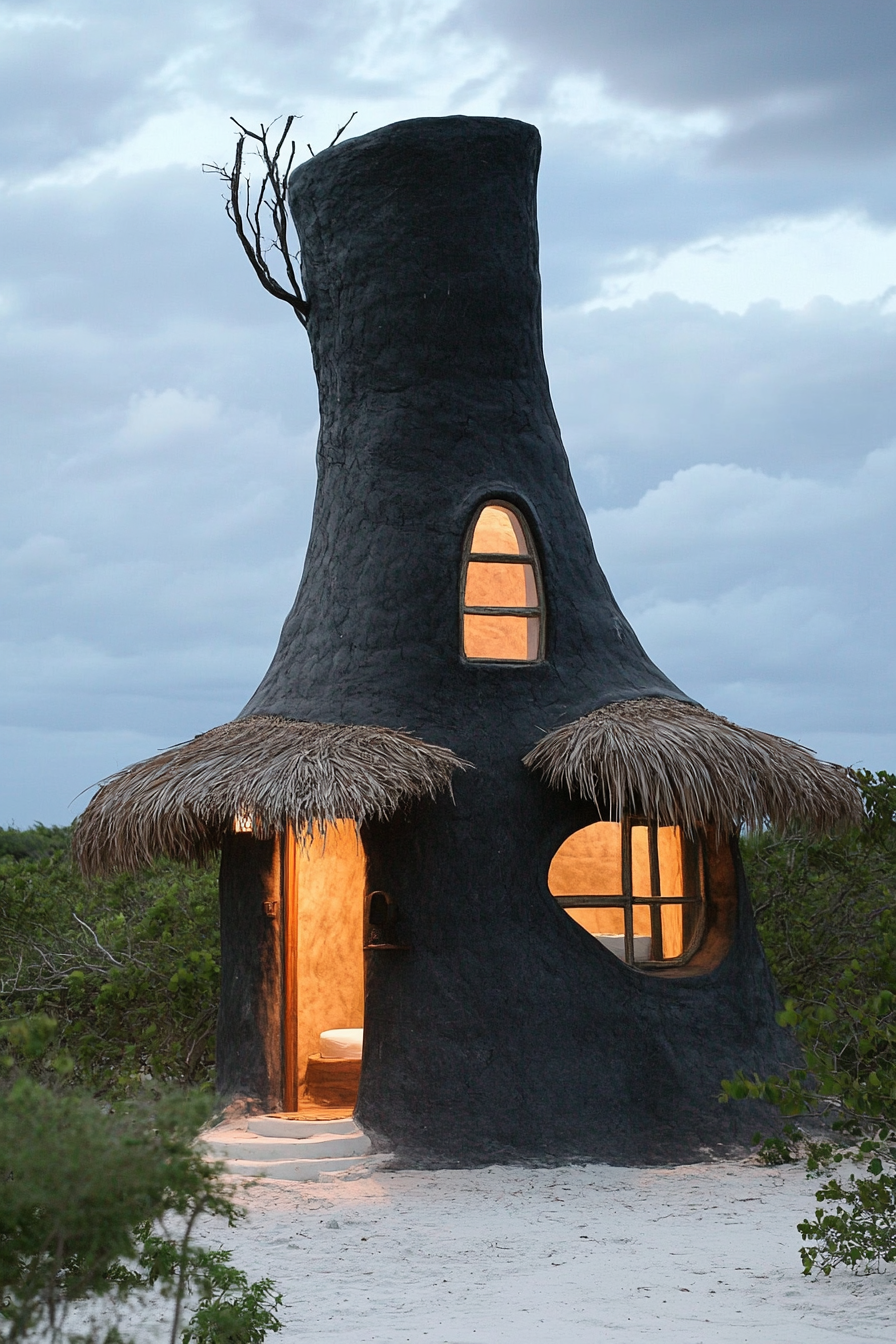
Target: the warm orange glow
(501, 637)
(242, 823)
(498, 532)
(490, 585)
(589, 863)
(608, 920)
(497, 585)
(330, 884)
(668, 844)
(673, 939)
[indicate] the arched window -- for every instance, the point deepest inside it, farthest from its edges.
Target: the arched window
(637, 887)
(502, 607)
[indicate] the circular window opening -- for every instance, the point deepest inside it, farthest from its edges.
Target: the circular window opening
(638, 888)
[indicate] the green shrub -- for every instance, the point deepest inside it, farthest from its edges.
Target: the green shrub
(38, 842)
(817, 898)
(89, 1195)
(128, 967)
(826, 910)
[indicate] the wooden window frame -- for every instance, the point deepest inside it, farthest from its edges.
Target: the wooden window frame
(695, 879)
(531, 558)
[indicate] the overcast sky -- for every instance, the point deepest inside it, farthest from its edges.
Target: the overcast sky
(718, 225)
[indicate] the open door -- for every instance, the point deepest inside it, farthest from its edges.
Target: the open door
(324, 884)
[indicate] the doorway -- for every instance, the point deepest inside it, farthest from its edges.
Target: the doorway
(324, 877)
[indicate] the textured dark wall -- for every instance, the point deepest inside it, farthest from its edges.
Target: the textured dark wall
(506, 1032)
(420, 259)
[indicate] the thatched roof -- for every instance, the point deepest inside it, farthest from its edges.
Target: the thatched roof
(267, 771)
(685, 766)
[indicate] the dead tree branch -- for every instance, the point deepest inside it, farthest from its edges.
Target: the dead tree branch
(250, 208)
(254, 207)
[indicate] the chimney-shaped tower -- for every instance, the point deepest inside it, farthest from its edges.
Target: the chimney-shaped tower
(560, 957)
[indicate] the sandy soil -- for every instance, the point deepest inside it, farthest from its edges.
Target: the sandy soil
(562, 1256)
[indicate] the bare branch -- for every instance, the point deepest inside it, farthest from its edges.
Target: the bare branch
(92, 932)
(247, 205)
(341, 129)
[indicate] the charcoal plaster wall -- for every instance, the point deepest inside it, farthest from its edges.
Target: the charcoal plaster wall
(505, 1032)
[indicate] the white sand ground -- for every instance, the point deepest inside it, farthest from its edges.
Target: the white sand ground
(571, 1255)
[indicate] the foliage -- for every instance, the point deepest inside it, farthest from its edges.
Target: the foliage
(128, 967)
(826, 910)
(231, 1310)
(816, 898)
(89, 1195)
(861, 1229)
(38, 842)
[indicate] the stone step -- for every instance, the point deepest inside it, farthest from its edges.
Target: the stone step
(298, 1170)
(279, 1127)
(230, 1144)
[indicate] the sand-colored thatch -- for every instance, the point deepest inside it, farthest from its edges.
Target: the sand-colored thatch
(685, 766)
(265, 771)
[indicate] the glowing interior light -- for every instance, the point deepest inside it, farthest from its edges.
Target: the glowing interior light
(590, 865)
(242, 823)
(498, 531)
(326, 882)
(492, 587)
(497, 585)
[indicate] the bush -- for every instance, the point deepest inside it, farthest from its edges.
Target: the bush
(817, 898)
(88, 1197)
(38, 842)
(826, 910)
(128, 967)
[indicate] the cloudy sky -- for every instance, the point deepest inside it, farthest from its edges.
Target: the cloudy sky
(718, 226)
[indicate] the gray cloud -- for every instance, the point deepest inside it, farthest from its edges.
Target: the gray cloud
(642, 392)
(160, 411)
(797, 77)
(769, 596)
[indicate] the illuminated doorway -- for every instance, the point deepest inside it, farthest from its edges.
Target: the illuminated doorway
(324, 887)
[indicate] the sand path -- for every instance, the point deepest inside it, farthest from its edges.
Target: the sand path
(571, 1255)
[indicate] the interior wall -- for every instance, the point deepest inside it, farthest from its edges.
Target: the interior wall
(330, 877)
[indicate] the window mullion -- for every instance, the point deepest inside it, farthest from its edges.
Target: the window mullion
(627, 909)
(656, 914)
(501, 611)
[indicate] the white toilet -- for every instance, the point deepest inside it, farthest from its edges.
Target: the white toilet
(342, 1043)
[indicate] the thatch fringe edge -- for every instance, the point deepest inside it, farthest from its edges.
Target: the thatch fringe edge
(268, 772)
(685, 766)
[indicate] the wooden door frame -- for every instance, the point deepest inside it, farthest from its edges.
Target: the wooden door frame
(289, 955)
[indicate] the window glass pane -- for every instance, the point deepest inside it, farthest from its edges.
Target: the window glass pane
(498, 531)
(601, 921)
(672, 931)
(589, 863)
(497, 585)
(640, 862)
(668, 845)
(501, 637)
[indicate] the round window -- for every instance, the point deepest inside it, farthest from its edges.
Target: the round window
(637, 887)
